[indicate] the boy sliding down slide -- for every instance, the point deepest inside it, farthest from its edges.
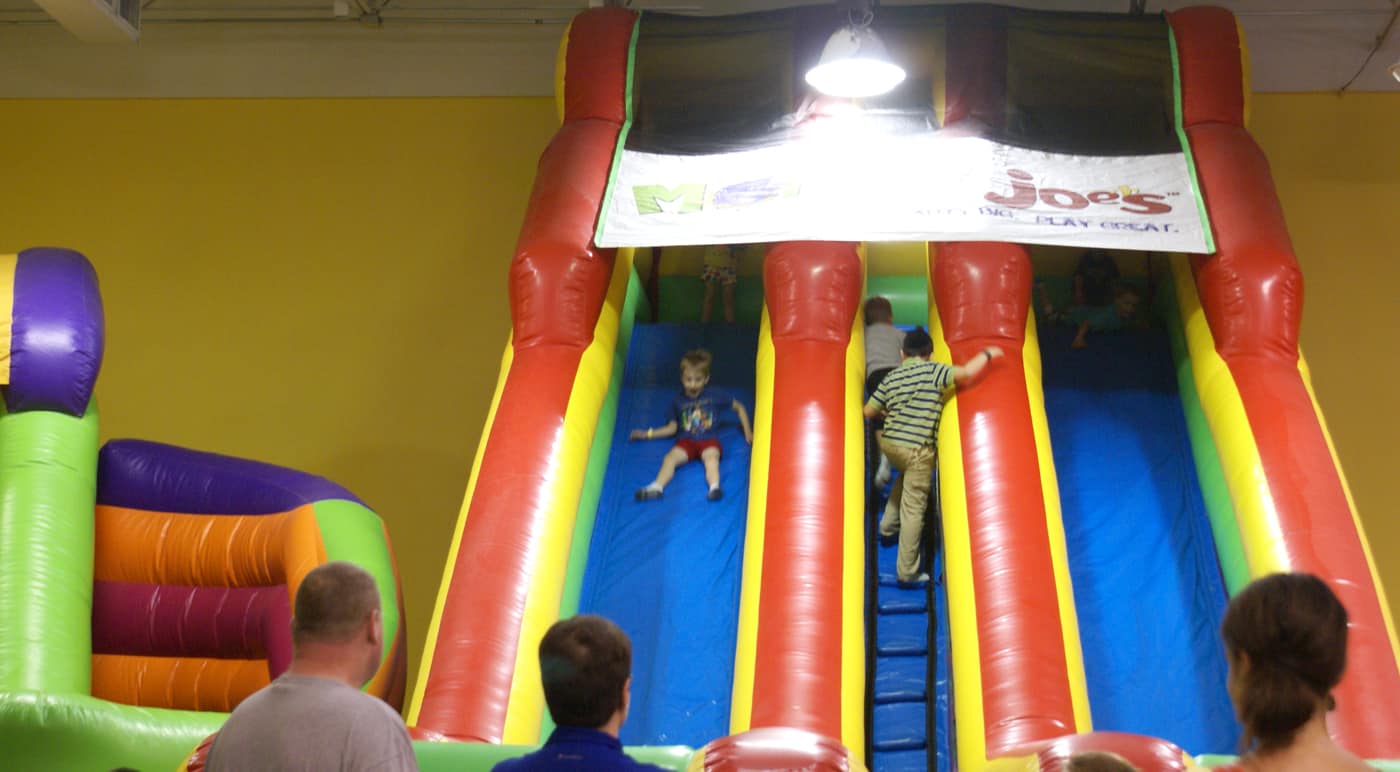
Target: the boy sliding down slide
(695, 416)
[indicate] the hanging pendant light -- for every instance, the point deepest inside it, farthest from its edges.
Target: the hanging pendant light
(854, 62)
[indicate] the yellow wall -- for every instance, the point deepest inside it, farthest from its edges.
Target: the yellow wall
(321, 283)
(1336, 163)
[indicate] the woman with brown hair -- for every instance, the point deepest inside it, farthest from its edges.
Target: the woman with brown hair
(1286, 642)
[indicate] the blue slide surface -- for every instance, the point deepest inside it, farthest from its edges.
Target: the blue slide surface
(668, 570)
(1147, 583)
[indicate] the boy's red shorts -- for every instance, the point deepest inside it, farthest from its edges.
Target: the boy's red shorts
(693, 448)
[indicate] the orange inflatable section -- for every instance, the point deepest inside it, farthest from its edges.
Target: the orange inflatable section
(180, 683)
(206, 550)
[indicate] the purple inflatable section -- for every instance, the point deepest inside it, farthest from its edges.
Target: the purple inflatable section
(56, 335)
(164, 478)
(174, 621)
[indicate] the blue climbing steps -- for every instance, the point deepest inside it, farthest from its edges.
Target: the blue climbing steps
(908, 679)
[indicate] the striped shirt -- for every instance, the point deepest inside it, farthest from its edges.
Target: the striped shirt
(912, 394)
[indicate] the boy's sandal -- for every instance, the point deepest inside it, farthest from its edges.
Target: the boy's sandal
(647, 494)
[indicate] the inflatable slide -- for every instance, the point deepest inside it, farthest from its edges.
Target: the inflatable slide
(145, 589)
(1044, 547)
(1254, 426)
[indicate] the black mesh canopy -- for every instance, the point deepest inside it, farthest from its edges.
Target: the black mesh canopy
(1085, 84)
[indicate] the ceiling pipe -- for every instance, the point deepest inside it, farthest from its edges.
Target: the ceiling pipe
(97, 21)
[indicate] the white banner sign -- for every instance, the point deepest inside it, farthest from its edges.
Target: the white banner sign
(840, 186)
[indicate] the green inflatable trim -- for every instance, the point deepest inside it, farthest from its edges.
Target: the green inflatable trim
(480, 757)
(622, 133)
(678, 299)
(40, 730)
(1186, 145)
(1219, 507)
(908, 296)
(1211, 760)
(48, 488)
(352, 532)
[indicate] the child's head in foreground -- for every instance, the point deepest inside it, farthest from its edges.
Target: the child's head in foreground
(695, 370)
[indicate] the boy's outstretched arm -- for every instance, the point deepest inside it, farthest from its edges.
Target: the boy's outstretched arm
(1081, 337)
(744, 421)
(965, 372)
(669, 430)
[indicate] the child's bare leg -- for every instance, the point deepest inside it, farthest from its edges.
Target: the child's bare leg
(676, 457)
(710, 457)
(708, 302)
(727, 295)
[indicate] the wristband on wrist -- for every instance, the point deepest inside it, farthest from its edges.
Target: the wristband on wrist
(649, 432)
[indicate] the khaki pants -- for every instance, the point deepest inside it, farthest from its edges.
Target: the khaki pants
(904, 512)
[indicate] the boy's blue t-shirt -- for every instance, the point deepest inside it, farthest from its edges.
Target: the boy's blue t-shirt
(698, 417)
(1100, 318)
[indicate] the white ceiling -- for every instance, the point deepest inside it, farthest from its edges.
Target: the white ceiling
(211, 48)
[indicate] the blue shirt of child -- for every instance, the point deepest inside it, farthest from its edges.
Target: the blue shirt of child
(576, 748)
(697, 417)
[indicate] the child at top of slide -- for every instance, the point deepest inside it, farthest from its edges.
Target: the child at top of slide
(721, 271)
(1105, 318)
(1094, 278)
(1101, 302)
(695, 423)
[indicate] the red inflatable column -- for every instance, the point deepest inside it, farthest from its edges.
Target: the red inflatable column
(812, 291)
(982, 291)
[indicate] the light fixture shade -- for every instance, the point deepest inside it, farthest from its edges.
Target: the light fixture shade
(854, 63)
(1394, 71)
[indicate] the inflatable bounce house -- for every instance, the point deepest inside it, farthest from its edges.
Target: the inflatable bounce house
(1096, 506)
(145, 589)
